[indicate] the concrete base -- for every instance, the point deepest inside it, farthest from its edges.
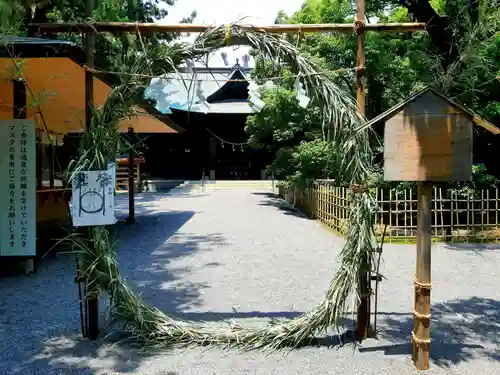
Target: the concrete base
(29, 266)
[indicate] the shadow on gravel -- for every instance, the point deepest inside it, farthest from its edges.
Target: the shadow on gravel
(266, 194)
(148, 247)
(476, 247)
(40, 327)
(146, 203)
(461, 330)
(223, 316)
(73, 355)
(39, 314)
(273, 200)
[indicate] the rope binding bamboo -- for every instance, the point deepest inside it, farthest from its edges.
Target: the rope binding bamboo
(418, 341)
(421, 316)
(420, 285)
(359, 189)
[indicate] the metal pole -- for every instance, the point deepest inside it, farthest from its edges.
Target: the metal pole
(78, 280)
(92, 296)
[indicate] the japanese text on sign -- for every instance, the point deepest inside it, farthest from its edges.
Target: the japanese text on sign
(17, 187)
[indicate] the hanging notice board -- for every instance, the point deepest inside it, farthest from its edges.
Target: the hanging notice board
(92, 199)
(17, 188)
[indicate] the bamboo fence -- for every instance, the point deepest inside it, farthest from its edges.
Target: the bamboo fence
(456, 217)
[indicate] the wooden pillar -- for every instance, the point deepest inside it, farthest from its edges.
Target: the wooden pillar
(39, 161)
(131, 179)
(422, 308)
(51, 157)
(363, 316)
(360, 55)
(19, 99)
(92, 297)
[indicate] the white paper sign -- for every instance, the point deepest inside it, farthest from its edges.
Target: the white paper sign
(17, 188)
(93, 201)
(112, 171)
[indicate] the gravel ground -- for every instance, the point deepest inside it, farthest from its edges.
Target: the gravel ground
(244, 255)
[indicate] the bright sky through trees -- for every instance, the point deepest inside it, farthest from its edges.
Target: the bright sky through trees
(217, 12)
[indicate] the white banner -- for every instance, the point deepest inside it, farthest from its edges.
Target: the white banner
(112, 171)
(93, 200)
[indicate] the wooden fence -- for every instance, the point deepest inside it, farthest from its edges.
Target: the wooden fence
(456, 217)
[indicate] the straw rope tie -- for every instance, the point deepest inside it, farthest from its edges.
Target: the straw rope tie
(91, 23)
(228, 35)
(421, 316)
(299, 36)
(422, 285)
(419, 341)
(357, 188)
(358, 25)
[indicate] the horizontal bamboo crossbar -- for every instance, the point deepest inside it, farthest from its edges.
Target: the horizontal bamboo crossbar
(145, 28)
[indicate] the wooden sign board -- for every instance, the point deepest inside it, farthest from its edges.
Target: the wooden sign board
(17, 188)
(428, 139)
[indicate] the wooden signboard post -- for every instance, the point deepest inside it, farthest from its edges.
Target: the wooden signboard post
(427, 138)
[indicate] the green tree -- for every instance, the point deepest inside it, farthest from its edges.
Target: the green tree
(109, 49)
(291, 133)
(459, 53)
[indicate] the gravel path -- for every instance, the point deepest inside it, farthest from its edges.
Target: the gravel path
(243, 255)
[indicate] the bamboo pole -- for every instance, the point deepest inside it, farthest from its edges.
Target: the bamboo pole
(422, 310)
(147, 28)
(363, 315)
(92, 297)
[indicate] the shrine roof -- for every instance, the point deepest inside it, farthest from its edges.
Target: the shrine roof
(465, 111)
(146, 118)
(225, 92)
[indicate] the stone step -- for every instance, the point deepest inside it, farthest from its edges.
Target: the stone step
(223, 184)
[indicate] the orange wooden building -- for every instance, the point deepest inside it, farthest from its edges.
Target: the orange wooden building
(52, 74)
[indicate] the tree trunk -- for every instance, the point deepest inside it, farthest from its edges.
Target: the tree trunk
(437, 28)
(39, 15)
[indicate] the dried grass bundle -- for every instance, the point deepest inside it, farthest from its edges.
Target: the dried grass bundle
(340, 119)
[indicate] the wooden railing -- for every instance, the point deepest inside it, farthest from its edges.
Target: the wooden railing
(122, 173)
(457, 217)
(122, 176)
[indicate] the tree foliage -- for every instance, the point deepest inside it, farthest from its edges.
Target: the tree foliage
(15, 15)
(292, 133)
(459, 53)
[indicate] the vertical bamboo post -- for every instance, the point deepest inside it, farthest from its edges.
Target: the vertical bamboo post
(422, 309)
(92, 297)
(363, 316)
(131, 180)
(52, 160)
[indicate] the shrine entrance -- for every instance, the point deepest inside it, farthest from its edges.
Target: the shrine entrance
(214, 141)
(235, 162)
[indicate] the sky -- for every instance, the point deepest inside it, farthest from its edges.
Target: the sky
(218, 12)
